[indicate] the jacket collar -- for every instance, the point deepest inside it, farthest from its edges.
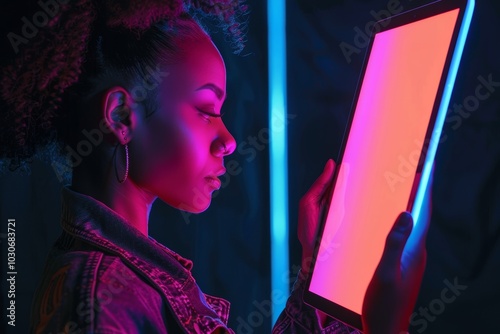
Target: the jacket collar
(90, 220)
(82, 213)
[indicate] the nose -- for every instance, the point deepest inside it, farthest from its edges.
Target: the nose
(224, 144)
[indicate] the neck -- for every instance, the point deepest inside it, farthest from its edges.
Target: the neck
(127, 199)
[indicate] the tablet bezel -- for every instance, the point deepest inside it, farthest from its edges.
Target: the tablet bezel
(432, 136)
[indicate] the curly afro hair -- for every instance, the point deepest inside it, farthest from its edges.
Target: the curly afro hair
(74, 50)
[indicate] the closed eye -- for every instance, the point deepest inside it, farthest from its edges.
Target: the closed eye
(211, 114)
(207, 114)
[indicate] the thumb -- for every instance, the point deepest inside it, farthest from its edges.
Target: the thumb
(395, 243)
(323, 181)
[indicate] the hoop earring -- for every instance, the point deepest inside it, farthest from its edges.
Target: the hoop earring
(126, 164)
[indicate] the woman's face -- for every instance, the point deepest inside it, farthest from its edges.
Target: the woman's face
(177, 153)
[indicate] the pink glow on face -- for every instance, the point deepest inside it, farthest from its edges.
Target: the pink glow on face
(381, 156)
(180, 148)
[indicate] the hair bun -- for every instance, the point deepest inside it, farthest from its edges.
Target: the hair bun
(140, 15)
(35, 86)
(135, 14)
(225, 9)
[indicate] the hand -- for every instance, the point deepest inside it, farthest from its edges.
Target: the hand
(393, 290)
(311, 207)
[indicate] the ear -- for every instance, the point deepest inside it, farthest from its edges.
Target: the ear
(119, 113)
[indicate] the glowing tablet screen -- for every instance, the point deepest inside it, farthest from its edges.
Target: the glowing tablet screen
(380, 159)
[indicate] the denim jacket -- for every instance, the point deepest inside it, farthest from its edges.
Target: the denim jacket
(104, 276)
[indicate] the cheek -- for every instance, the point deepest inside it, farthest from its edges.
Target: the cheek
(171, 159)
(179, 151)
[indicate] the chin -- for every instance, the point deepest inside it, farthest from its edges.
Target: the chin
(191, 207)
(196, 202)
(194, 209)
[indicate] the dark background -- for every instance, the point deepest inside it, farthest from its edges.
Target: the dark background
(230, 242)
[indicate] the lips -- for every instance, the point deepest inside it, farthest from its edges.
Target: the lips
(220, 171)
(213, 181)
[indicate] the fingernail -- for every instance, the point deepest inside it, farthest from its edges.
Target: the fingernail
(328, 163)
(405, 220)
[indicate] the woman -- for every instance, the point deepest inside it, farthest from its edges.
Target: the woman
(151, 80)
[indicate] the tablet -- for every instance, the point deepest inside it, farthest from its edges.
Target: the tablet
(388, 150)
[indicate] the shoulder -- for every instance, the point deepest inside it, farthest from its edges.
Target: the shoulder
(94, 291)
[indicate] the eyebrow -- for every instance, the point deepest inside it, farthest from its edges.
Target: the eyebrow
(217, 90)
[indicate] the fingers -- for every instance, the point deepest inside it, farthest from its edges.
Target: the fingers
(326, 176)
(322, 182)
(394, 246)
